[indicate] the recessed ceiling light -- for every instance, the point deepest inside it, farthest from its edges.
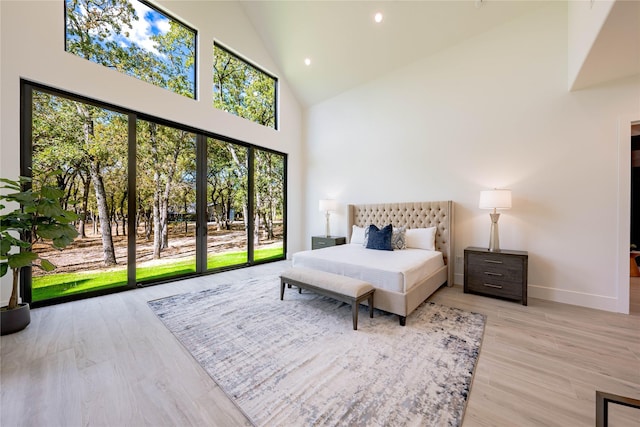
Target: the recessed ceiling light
(378, 17)
(307, 61)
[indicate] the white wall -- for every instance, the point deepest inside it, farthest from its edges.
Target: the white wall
(493, 111)
(585, 20)
(32, 47)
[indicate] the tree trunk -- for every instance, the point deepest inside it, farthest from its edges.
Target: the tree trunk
(157, 189)
(270, 234)
(256, 231)
(103, 213)
(228, 220)
(85, 204)
(148, 228)
(268, 212)
(113, 219)
(186, 217)
(157, 226)
(122, 213)
(164, 214)
(98, 186)
(167, 190)
(13, 300)
(245, 208)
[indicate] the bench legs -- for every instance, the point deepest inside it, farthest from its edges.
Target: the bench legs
(355, 306)
(282, 283)
(355, 302)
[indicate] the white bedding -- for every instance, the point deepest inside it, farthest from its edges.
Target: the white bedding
(396, 271)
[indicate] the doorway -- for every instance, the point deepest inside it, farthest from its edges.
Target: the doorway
(634, 222)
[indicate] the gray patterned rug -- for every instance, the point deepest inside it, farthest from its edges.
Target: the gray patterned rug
(298, 362)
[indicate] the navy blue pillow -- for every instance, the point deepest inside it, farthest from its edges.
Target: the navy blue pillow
(380, 238)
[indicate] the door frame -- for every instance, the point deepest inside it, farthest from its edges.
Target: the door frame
(624, 208)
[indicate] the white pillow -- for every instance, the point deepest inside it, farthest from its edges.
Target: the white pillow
(357, 235)
(421, 238)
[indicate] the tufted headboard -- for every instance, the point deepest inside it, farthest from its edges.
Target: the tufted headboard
(411, 215)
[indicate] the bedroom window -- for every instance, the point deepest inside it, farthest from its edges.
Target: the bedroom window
(243, 89)
(134, 38)
(166, 181)
(269, 202)
(156, 200)
(227, 207)
(81, 148)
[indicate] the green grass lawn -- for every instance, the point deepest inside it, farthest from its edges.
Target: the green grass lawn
(63, 284)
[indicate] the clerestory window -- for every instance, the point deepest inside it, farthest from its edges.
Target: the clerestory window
(243, 89)
(134, 38)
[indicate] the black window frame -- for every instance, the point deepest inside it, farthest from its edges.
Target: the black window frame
(26, 100)
(166, 15)
(276, 83)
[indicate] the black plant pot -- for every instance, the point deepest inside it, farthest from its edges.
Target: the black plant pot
(14, 320)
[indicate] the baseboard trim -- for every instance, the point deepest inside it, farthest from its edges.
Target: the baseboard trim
(583, 299)
(458, 279)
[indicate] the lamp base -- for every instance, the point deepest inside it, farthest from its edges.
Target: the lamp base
(326, 231)
(494, 239)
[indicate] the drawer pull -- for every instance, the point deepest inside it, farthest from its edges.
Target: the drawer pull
(493, 286)
(492, 274)
(493, 261)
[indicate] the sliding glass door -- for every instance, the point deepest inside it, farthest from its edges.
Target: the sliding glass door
(268, 205)
(82, 150)
(156, 200)
(227, 208)
(165, 202)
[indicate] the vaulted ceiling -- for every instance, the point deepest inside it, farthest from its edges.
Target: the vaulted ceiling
(348, 48)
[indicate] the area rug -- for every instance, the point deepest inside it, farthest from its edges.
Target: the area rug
(298, 362)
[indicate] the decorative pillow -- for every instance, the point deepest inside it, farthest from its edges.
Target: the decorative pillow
(366, 236)
(380, 238)
(357, 235)
(398, 238)
(421, 238)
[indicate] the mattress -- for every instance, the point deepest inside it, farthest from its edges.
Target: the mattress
(396, 271)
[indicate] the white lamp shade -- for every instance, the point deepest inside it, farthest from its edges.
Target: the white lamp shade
(327, 205)
(495, 199)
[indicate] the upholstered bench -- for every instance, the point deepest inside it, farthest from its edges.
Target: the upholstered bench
(342, 288)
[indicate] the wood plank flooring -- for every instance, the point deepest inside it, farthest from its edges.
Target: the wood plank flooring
(108, 361)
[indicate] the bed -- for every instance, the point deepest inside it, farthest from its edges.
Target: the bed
(403, 279)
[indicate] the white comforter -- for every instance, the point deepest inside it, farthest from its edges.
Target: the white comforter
(396, 271)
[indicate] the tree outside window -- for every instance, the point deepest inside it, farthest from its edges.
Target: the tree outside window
(135, 39)
(242, 89)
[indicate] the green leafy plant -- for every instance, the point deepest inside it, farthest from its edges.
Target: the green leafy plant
(39, 218)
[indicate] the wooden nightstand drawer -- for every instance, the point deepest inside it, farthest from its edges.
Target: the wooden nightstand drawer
(319, 242)
(493, 260)
(496, 288)
(498, 274)
(499, 270)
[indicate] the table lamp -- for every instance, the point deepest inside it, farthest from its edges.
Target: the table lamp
(495, 199)
(327, 205)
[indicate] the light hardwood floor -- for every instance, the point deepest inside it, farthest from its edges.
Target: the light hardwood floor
(108, 361)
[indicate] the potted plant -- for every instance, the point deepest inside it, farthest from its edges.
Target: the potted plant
(38, 218)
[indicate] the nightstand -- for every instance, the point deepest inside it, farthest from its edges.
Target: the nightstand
(496, 274)
(319, 242)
